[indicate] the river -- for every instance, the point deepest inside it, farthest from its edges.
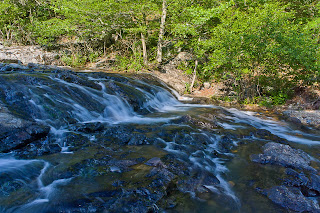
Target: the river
(119, 143)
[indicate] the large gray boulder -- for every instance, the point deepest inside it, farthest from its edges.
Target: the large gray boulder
(283, 155)
(28, 54)
(291, 198)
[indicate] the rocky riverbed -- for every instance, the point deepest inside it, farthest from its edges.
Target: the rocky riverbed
(57, 131)
(92, 141)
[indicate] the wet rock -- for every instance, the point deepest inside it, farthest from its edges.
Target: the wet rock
(263, 133)
(299, 179)
(76, 78)
(197, 122)
(8, 187)
(121, 165)
(76, 141)
(134, 200)
(176, 165)
(291, 198)
(283, 155)
(94, 202)
(9, 122)
(137, 139)
(137, 200)
(294, 121)
(13, 67)
(91, 167)
(315, 182)
(200, 182)
(21, 137)
(51, 148)
(306, 117)
(118, 183)
(226, 143)
(89, 127)
(162, 177)
(155, 162)
(43, 67)
(118, 134)
(37, 149)
(267, 135)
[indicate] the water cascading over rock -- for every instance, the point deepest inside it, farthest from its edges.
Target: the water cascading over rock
(91, 141)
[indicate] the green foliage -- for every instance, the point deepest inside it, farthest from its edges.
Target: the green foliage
(279, 99)
(74, 60)
(48, 31)
(263, 48)
(187, 88)
(129, 63)
(258, 44)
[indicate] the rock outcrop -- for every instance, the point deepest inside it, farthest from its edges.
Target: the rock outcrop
(300, 189)
(174, 77)
(28, 54)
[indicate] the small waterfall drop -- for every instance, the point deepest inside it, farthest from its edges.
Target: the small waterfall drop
(117, 143)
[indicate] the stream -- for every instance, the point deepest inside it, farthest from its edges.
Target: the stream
(102, 142)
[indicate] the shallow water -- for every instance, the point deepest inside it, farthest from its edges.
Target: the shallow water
(204, 150)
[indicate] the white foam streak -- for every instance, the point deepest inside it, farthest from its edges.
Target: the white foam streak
(9, 164)
(279, 129)
(46, 192)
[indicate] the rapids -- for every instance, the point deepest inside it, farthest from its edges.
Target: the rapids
(126, 144)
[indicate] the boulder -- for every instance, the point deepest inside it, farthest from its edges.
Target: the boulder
(283, 155)
(20, 137)
(291, 198)
(29, 54)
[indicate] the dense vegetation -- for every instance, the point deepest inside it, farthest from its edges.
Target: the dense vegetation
(264, 48)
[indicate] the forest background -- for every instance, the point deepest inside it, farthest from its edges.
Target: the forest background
(265, 48)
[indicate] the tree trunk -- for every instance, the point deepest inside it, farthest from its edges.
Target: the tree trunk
(144, 49)
(194, 75)
(161, 33)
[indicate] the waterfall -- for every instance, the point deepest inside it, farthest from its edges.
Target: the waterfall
(117, 143)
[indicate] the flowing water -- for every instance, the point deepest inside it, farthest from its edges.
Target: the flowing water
(107, 127)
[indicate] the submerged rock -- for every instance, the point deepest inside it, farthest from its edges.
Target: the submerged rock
(283, 155)
(155, 162)
(200, 182)
(121, 165)
(291, 198)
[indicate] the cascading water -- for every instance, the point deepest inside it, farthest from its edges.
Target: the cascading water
(122, 145)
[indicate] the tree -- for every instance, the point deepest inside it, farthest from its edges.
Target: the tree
(161, 31)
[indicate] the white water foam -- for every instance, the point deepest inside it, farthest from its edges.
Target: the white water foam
(203, 159)
(279, 129)
(21, 170)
